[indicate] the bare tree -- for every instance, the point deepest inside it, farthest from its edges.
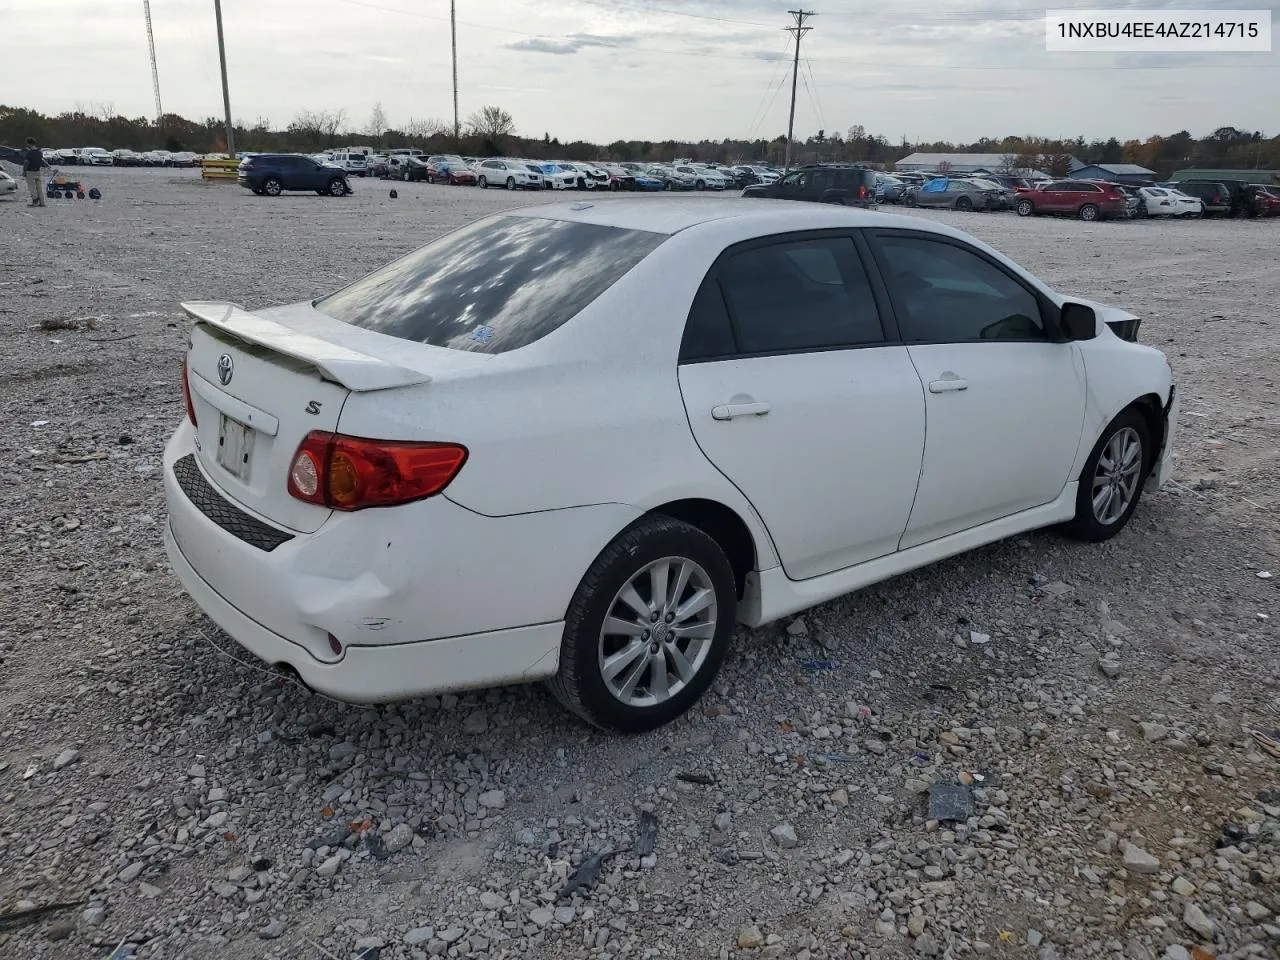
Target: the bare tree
(1009, 164)
(334, 122)
(377, 123)
(944, 166)
(426, 129)
(491, 123)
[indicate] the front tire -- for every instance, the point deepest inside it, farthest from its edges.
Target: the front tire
(648, 627)
(1111, 482)
(1025, 208)
(511, 183)
(964, 204)
(337, 187)
(1088, 213)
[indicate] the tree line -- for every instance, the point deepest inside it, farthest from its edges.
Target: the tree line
(491, 131)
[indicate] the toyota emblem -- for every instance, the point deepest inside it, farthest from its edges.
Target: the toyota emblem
(226, 369)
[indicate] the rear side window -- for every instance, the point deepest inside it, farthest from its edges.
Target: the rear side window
(801, 295)
(493, 286)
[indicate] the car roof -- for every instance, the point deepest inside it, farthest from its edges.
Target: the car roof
(671, 215)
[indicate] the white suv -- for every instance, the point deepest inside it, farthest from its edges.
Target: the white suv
(356, 163)
(95, 157)
(512, 174)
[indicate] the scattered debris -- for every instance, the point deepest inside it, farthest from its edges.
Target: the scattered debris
(950, 801)
(587, 874)
(646, 834)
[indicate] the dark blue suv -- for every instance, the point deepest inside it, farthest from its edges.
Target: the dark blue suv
(273, 173)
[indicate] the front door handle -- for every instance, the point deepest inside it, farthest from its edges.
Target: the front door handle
(727, 411)
(948, 383)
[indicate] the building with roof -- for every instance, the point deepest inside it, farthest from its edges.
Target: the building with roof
(1248, 176)
(1115, 172)
(963, 163)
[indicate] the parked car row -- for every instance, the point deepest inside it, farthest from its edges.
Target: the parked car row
(98, 157)
(1087, 199)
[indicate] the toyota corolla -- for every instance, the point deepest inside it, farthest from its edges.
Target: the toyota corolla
(579, 442)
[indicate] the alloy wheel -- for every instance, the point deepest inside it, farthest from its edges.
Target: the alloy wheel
(1115, 482)
(658, 632)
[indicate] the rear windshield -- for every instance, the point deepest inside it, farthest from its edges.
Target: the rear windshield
(493, 286)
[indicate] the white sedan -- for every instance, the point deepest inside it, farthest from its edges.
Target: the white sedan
(579, 442)
(1164, 202)
(8, 186)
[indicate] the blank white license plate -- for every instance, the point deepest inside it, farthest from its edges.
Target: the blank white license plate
(235, 446)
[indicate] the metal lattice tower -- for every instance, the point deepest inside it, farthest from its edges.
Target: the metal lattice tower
(155, 74)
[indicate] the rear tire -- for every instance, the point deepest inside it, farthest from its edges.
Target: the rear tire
(1117, 468)
(664, 661)
(272, 187)
(483, 183)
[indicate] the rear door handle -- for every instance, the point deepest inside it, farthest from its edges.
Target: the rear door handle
(727, 411)
(949, 383)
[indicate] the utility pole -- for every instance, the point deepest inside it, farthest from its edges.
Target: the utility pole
(453, 32)
(226, 96)
(798, 31)
(155, 74)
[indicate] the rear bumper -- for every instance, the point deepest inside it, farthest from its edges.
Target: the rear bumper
(424, 597)
(368, 674)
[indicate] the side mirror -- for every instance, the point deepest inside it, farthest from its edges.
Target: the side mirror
(1078, 322)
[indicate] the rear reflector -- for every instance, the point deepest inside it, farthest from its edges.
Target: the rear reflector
(186, 393)
(352, 473)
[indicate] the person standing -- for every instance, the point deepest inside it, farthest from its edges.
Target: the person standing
(33, 163)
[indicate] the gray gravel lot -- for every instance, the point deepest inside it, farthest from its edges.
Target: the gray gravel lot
(198, 807)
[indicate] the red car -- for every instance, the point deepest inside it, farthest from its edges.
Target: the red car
(1086, 199)
(451, 170)
(1266, 202)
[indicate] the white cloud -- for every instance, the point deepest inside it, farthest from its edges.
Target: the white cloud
(646, 69)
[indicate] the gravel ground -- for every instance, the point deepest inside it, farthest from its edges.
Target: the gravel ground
(193, 805)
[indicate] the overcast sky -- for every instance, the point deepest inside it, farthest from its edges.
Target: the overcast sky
(643, 69)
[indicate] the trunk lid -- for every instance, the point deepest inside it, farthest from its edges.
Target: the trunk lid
(260, 382)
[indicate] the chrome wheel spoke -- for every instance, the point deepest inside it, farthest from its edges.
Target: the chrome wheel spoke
(695, 631)
(684, 669)
(632, 599)
(620, 661)
(658, 576)
(641, 667)
(616, 626)
(695, 604)
(679, 586)
(659, 688)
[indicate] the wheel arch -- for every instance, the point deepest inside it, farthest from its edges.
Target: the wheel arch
(723, 525)
(1152, 410)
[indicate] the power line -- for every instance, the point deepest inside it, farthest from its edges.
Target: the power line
(798, 31)
(817, 100)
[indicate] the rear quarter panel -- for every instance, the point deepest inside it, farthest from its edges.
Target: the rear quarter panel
(590, 414)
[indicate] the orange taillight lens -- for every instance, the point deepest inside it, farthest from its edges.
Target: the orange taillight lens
(351, 473)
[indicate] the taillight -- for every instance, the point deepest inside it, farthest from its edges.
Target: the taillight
(186, 393)
(351, 473)
(862, 192)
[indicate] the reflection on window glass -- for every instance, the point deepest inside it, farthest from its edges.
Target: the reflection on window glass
(804, 295)
(951, 295)
(493, 286)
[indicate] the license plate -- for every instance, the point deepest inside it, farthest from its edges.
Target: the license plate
(235, 447)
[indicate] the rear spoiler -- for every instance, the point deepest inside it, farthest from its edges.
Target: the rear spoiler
(350, 368)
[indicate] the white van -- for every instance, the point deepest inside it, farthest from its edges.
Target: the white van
(350, 161)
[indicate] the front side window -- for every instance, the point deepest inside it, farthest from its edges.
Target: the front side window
(947, 294)
(800, 295)
(495, 285)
